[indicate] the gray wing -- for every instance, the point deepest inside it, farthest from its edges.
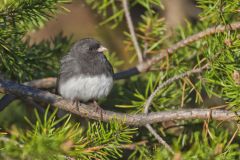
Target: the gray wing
(66, 70)
(107, 65)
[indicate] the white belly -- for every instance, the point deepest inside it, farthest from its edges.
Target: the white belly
(85, 88)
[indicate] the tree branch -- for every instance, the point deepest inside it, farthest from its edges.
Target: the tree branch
(131, 29)
(89, 111)
(44, 83)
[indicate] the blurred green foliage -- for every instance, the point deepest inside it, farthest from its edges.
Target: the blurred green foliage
(19, 60)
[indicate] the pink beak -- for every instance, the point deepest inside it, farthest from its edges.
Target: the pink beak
(101, 49)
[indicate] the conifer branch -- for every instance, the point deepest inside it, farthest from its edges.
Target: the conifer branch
(146, 65)
(89, 111)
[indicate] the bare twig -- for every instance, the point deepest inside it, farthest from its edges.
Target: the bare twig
(233, 136)
(169, 81)
(131, 30)
(89, 111)
(133, 145)
(160, 140)
(45, 83)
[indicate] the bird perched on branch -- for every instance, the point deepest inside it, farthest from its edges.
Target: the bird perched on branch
(85, 74)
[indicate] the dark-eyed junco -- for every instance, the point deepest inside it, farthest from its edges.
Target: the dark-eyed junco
(85, 73)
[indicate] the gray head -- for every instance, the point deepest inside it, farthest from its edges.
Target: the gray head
(87, 47)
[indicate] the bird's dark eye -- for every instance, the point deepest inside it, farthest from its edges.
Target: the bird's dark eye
(94, 47)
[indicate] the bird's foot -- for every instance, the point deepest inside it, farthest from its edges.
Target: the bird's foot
(98, 109)
(76, 103)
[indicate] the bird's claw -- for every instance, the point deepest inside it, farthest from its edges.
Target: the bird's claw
(99, 109)
(77, 102)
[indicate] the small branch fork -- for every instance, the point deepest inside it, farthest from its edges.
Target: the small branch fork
(169, 81)
(160, 86)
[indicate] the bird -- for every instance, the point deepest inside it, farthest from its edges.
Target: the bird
(85, 74)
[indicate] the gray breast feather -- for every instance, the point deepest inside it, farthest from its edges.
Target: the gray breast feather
(85, 88)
